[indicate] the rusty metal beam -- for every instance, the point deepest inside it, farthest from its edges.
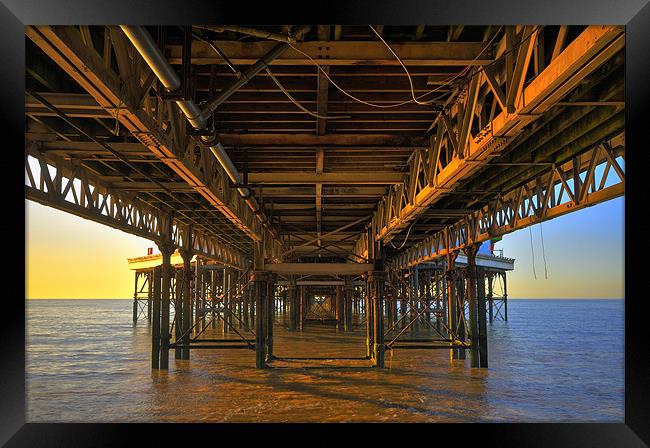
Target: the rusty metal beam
(588, 51)
(64, 46)
(342, 53)
(319, 268)
(339, 177)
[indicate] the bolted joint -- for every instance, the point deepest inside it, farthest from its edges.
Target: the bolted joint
(261, 276)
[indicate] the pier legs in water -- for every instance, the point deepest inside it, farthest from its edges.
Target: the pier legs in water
(471, 274)
(376, 281)
(262, 310)
(340, 309)
(294, 305)
(166, 249)
(155, 321)
(186, 314)
(349, 297)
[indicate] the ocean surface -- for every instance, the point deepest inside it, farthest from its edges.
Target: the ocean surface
(553, 361)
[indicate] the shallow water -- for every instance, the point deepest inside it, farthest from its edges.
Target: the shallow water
(553, 361)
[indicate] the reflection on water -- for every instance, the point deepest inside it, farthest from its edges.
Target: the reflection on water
(553, 361)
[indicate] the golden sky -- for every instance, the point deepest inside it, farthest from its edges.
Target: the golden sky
(70, 257)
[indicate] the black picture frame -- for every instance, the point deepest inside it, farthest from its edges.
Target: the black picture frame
(635, 14)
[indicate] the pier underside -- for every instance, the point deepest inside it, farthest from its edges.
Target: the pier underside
(323, 175)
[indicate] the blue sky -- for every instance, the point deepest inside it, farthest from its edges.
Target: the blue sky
(70, 257)
(584, 255)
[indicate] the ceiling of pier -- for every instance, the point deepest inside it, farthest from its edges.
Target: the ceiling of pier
(325, 132)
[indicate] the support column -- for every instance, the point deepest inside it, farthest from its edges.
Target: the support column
(213, 296)
(460, 313)
(260, 278)
(246, 301)
(349, 298)
(369, 320)
(260, 281)
(178, 311)
(135, 298)
(450, 279)
(166, 249)
(470, 252)
(415, 298)
(155, 323)
(438, 299)
(294, 304)
(251, 297)
(340, 309)
(490, 278)
(403, 296)
(376, 281)
(270, 316)
(302, 308)
(198, 292)
(226, 299)
(427, 294)
(505, 296)
(482, 324)
(149, 294)
(187, 255)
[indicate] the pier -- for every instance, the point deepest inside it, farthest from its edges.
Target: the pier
(323, 175)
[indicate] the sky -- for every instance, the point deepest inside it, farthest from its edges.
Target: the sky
(71, 257)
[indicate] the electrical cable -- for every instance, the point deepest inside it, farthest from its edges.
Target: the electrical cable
(445, 83)
(532, 251)
(543, 251)
(406, 237)
(300, 106)
(409, 75)
(380, 106)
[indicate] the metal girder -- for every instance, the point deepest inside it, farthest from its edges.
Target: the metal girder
(270, 140)
(342, 53)
(65, 46)
(67, 186)
(429, 178)
(319, 268)
(548, 196)
(347, 178)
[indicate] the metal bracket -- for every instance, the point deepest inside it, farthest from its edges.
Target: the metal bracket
(175, 95)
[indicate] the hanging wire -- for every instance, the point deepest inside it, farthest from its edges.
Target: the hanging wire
(541, 233)
(532, 251)
(380, 106)
(406, 237)
(300, 106)
(416, 100)
(445, 83)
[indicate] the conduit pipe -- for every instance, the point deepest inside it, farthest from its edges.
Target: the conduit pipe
(143, 42)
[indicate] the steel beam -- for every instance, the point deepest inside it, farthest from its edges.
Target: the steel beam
(405, 202)
(64, 45)
(333, 178)
(342, 53)
(320, 268)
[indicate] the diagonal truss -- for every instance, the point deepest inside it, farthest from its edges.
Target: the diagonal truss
(152, 120)
(67, 186)
(465, 136)
(593, 177)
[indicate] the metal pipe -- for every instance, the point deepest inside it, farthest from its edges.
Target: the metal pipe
(253, 70)
(144, 43)
(250, 31)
